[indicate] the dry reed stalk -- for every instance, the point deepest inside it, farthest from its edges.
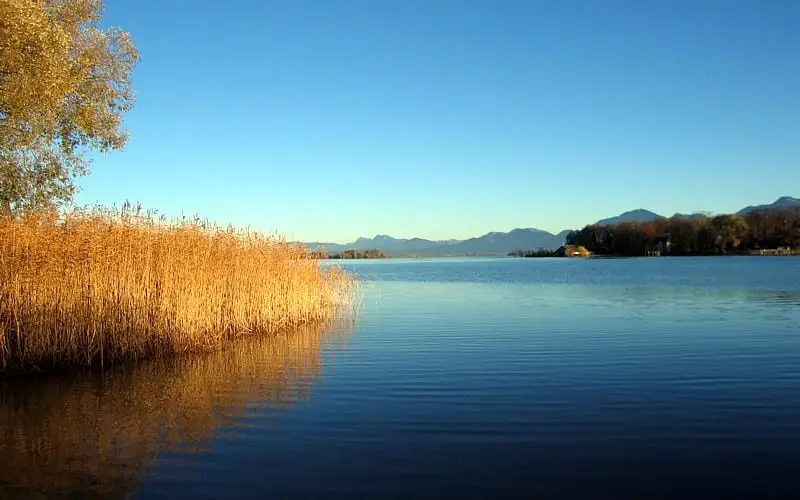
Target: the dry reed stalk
(95, 287)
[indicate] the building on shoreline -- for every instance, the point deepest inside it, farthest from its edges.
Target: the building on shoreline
(572, 251)
(776, 251)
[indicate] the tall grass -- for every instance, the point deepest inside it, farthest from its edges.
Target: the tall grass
(95, 287)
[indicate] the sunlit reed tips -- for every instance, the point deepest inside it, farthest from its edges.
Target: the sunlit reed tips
(97, 286)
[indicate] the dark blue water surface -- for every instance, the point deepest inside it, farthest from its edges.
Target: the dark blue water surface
(476, 378)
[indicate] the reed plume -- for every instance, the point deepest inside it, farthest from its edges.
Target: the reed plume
(97, 286)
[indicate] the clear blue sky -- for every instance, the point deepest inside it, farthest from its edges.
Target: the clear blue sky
(332, 119)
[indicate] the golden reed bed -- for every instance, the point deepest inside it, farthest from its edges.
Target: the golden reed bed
(97, 287)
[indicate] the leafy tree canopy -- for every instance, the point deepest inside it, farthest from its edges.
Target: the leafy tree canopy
(64, 85)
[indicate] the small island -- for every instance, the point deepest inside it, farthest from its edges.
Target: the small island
(348, 254)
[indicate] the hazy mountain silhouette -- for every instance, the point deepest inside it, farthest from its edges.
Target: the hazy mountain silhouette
(385, 243)
(782, 202)
(642, 215)
(638, 215)
(696, 215)
(516, 239)
(490, 243)
(496, 242)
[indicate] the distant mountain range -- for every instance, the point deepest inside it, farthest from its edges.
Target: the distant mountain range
(387, 244)
(646, 215)
(498, 243)
(782, 202)
(488, 244)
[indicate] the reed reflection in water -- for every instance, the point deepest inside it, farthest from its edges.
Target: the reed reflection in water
(92, 435)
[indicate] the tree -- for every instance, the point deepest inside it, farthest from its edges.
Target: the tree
(731, 229)
(682, 236)
(707, 239)
(629, 239)
(64, 85)
(722, 234)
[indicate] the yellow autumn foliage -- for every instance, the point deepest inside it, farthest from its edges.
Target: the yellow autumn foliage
(64, 84)
(96, 287)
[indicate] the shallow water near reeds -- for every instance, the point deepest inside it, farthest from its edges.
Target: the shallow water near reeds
(458, 378)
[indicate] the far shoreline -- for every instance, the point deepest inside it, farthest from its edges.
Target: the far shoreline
(554, 257)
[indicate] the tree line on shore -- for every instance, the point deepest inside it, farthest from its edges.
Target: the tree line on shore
(723, 234)
(348, 254)
(538, 252)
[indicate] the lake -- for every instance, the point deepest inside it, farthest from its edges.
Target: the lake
(472, 378)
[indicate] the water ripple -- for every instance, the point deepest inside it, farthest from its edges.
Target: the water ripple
(472, 378)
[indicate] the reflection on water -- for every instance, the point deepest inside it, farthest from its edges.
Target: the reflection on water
(93, 435)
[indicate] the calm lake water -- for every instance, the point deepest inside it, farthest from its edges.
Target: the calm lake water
(657, 378)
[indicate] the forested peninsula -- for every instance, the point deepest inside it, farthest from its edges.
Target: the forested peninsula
(773, 231)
